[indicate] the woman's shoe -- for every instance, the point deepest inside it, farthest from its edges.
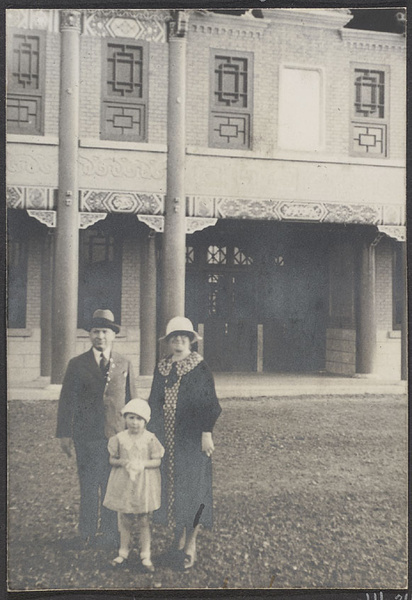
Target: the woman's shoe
(189, 561)
(119, 561)
(148, 565)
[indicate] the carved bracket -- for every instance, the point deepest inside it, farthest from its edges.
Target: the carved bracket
(195, 224)
(88, 219)
(47, 217)
(154, 222)
(397, 233)
(192, 223)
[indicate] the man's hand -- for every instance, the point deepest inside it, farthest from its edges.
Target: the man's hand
(66, 444)
(207, 443)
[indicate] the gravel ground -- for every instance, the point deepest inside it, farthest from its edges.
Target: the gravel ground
(309, 493)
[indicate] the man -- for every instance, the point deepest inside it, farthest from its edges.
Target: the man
(96, 386)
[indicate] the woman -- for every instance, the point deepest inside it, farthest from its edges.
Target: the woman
(184, 411)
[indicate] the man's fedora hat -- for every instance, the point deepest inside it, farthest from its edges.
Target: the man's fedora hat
(104, 319)
(181, 325)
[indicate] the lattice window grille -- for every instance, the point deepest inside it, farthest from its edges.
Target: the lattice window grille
(125, 71)
(98, 248)
(231, 81)
(369, 139)
(125, 121)
(231, 98)
(26, 62)
(124, 89)
(216, 255)
(214, 284)
(370, 93)
(233, 131)
(241, 259)
(25, 71)
(190, 255)
(23, 112)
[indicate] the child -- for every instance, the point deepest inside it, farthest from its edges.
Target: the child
(133, 489)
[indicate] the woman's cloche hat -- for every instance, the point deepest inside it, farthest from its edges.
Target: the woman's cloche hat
(103, 319)
(181, 325)
(137, 406)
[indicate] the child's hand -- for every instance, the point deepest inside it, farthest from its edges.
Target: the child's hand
(134, 467)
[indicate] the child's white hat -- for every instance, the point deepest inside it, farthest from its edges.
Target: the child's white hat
(137, 406)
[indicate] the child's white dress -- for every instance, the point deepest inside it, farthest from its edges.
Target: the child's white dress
(141, 495)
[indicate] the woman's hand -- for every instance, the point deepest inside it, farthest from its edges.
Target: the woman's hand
(207, 443)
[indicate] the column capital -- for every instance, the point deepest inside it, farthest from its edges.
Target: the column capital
(70, 20)
(179, 24)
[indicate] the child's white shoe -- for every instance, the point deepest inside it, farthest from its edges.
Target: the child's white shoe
(119, 561)
(147, 565)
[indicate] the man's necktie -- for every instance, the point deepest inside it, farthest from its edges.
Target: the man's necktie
(104, 363)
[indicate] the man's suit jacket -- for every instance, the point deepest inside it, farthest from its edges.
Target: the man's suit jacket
(90, 403)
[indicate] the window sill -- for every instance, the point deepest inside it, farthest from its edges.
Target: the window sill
(297, 156)
(395, 334)
(16, 332)
(43, 140)
(114, 145)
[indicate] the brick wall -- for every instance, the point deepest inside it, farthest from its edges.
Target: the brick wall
(158, 70)
(388, 349)
(90, 87)
(51, 125)
(23, 346)
(384, 263)
(341, 351)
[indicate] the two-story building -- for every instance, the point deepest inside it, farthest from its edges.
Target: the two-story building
(294, 186)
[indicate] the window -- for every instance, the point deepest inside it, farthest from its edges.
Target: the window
(369, 121)
(124, 91)
(231, 100)
(17, 282)
(100, 275)
(25, 82)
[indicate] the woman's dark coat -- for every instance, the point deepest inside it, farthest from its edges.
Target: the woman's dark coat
(197, 410)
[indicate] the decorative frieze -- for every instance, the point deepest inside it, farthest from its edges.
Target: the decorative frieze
(231, 31)
(119, 167)
(28, 163)
(148, 25)
(43, 19)
(207, 208)
(291, 210)
(35, 198)
(373, 40)
(121, 202)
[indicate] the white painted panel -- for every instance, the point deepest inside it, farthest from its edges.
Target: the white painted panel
(300, 109)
